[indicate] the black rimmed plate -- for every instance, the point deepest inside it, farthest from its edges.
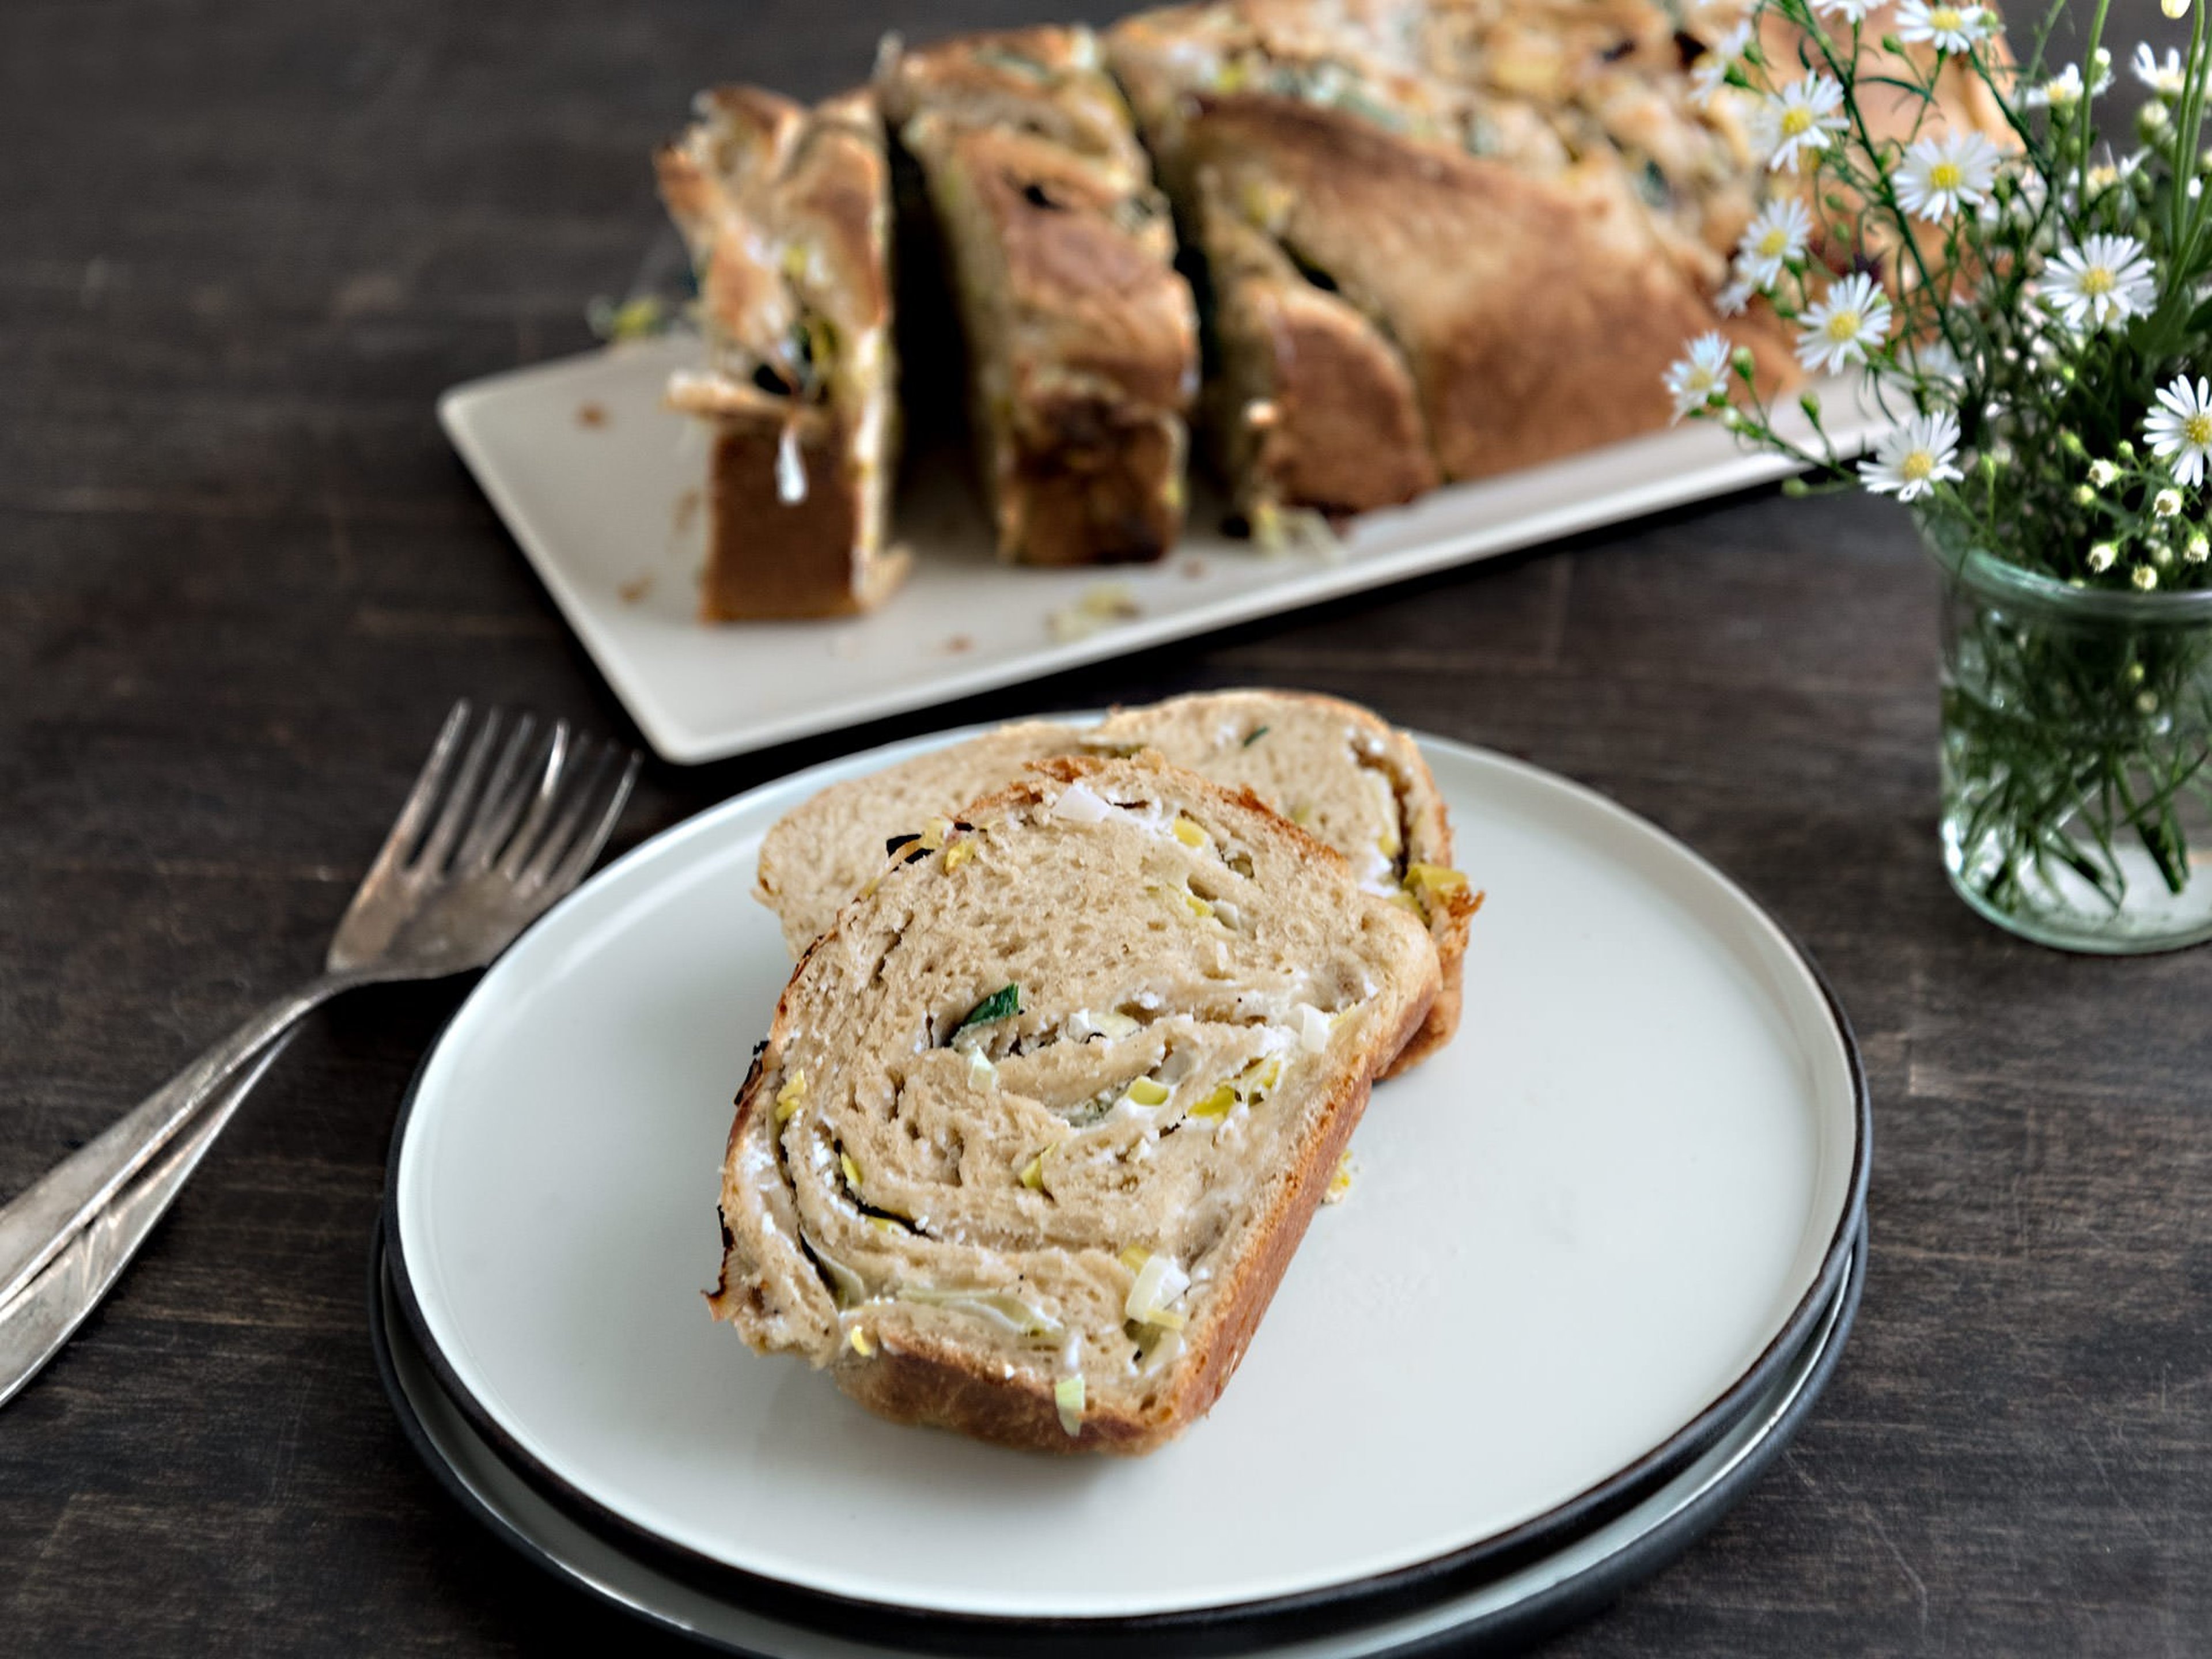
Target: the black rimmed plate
(1518, 1604)
(1582, 1241)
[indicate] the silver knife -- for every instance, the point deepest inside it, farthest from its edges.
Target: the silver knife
(43, 1313)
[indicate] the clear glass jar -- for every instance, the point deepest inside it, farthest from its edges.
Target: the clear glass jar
(2077, 725)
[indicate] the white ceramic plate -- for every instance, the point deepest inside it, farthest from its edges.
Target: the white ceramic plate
(1584, 1573)
(1574, 1233)
(599, 483)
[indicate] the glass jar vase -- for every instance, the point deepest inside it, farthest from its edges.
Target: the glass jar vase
(2077, 724)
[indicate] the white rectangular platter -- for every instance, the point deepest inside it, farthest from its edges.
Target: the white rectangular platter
(600, 485)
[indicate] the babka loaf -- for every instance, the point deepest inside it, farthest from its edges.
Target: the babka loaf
(1040, 1119)
(1351, 780)
(1081, 337)
(1508, 217)
(787, 212)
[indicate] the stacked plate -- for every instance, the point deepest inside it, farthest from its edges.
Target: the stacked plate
(1599, 1257)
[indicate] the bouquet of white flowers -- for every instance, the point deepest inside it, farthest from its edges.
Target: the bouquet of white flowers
(2032, 310)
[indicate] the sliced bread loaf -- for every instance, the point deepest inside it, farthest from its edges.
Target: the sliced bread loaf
(1040, 1119)
(1081, 337)
(787, 214)
(1463, 177)
(1349, 778)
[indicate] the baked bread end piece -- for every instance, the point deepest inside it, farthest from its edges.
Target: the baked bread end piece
(787, 212)
(1040, 1122)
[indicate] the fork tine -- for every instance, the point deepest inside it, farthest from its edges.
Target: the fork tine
(547, 792)
(502, 803)
(579, 790)
(460, 797)
(585, 852)
(429, 783)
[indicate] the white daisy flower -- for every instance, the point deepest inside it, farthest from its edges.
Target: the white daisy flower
(1943, 26)
(1914, 457)
(1851, 11)
(2166, 503)
(1942, 175)
(2101, 557)
(2168, 79)
(1710, 72)
(1695, 381)
(2180, 428)
(1775, 239)
(2144, 577)
(2104, 474)
(2062, 91)
(2198, 549)
(2105, 281)
(1851, 319)
(2106, 174)
(1734, 299)
(1798, 119)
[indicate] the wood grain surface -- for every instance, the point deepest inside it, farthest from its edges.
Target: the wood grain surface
(242, 247)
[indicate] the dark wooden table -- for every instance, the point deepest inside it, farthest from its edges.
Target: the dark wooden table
(241, 249)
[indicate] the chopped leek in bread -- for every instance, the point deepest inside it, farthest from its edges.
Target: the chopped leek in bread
(1348, 778)
(1031, 1142)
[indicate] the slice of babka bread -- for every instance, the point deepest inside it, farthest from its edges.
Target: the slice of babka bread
(1081, 337)
(1336, 769)
(786, 211)
(1040, 1120)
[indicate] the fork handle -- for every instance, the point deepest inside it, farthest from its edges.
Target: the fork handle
(41, 1220)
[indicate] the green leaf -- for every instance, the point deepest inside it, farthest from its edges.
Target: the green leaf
(1001, 1004)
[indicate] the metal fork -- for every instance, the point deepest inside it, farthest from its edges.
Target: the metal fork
(502, 821)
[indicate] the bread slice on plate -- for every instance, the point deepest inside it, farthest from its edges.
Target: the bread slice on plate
(1040, 1119)
(1082, 339)
(1348, 777)
(786, 211)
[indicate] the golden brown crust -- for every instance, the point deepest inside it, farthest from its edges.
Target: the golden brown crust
(1311, 406)
(1538, 315)
(1447, 925)
(1037, 81)
(1082, 335)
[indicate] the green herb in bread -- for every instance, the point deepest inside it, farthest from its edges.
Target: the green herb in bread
(1331, 767)
(1058, 1227)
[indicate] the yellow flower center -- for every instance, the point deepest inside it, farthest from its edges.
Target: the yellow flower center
(1946, 176)
(1843, 326)
(2197, 429)
(2097, 281)
(1796, 122)
(1915, 466)
(1947, 20)
(1774, 244)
